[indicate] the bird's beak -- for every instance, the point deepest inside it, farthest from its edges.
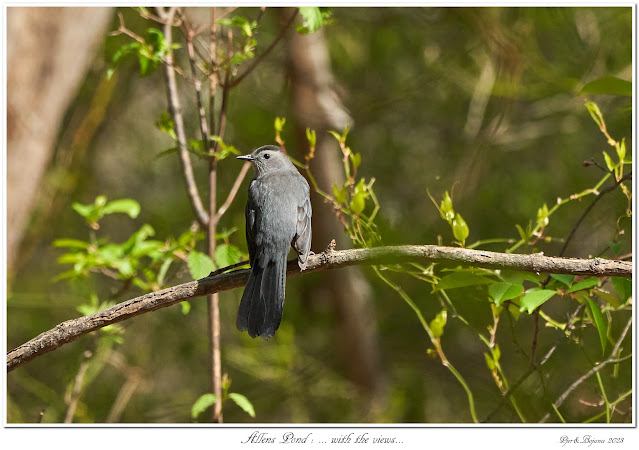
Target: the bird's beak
(246, 157)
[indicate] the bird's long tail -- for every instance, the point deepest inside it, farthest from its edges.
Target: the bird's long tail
(262, 303)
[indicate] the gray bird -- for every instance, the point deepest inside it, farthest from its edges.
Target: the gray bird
(278, 216)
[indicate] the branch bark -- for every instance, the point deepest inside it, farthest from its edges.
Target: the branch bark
(70, 330)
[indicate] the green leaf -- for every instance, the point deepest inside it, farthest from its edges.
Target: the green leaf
(609, 298)
(243, 403)
(462, 279)
(84, 210)
(339, 194)
(358, 202)
(608, 85)
(616, 247)
(166, 125)
(600, 324)
(542, 216)
(514, 310)
(460, 228)
(311, 137)
(621, 150)
(356, 160)
(522, 233)
(186, 307)
(623, 287)
(312, 19)
(565, 279)
(225, 233)
(534, 298)
(584, 284)
(490, 363)
(501, 291)
(163, 270)
(513, 276)
(202, 403)
(125, 268)
(71, 243)
(279, 124)
(438, 323)
(226, 255)
(125, 205)
(609, 164)
(200, 265)
(595, 113)
(446, 208)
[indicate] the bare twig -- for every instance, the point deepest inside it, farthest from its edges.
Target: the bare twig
(611, 359)
(581, 379)
(531, 368)
(213, 300)
(233, 192)
(589, 208)
(197, 84)
(70, 330)
(176, 113)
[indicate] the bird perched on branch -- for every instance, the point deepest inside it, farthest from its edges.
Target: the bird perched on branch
(278, 216)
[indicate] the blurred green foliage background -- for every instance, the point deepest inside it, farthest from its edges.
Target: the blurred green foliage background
(482, 99)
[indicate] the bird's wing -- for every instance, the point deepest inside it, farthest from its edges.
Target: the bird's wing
(302, 240)
(251, 228)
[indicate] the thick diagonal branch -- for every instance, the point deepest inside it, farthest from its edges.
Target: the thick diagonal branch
(72, 329)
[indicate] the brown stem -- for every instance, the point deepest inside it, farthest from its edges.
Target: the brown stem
(70, 330)
(213, 300)
(234, 190)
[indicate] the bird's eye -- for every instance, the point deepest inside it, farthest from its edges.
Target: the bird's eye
(266, 156)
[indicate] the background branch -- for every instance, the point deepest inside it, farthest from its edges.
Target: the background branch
(175, 110)
(70, 330)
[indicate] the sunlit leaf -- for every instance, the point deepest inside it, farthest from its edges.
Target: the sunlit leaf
(438, 323)
(202, 403)
(460, 228)
(200, 265)
(226, 255)
(535, 298)
(124, 205)
(358, 202)
(502, 291)
(243, 403)
(71, 243)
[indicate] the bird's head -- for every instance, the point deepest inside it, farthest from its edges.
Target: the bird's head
(267, 159)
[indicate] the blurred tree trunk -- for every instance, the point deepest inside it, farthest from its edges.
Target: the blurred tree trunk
(48, 54)
(316, 105)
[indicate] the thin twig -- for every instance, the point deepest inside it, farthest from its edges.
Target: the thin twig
(531, 369)
(589, 208)
(263, 55)
(197, 84)
(176, 113)
(611, 359)
(234, 190)
(213, 300)
(77, 386)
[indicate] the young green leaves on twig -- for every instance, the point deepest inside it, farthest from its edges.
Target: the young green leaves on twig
(457, 223)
